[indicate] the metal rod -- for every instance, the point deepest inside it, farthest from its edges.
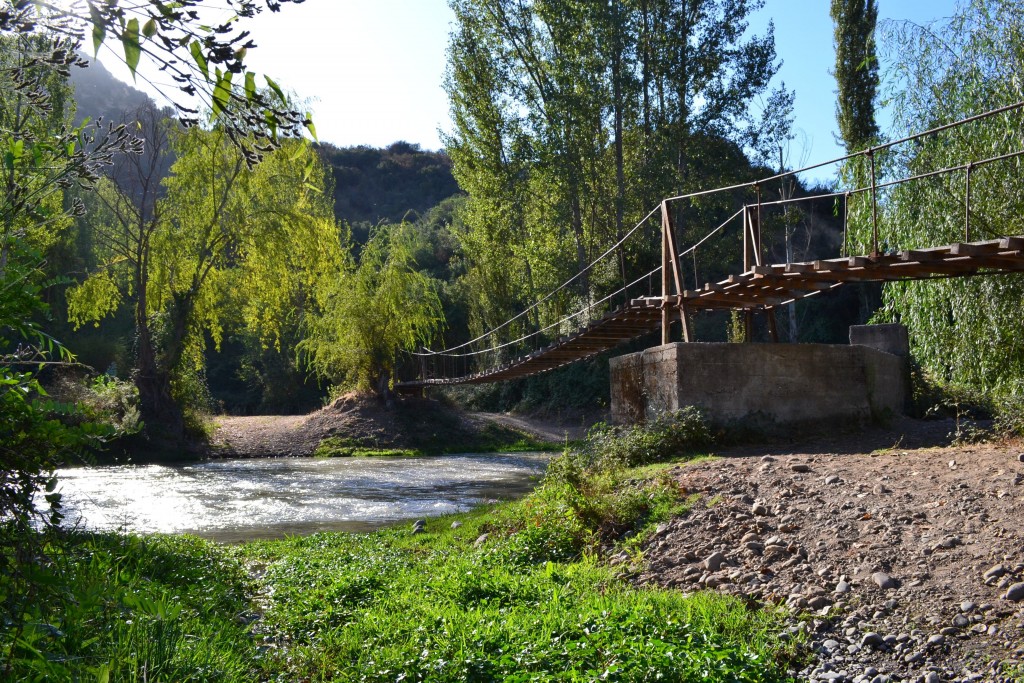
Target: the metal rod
(967, 206)
(846, 224)
(665, 322)
(874, 206)
(757, 238)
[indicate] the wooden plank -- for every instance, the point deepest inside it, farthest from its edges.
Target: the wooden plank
(929, 254)
(1012, 243)
(974, 248)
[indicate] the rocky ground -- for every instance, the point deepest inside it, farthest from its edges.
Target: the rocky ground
(904, 554)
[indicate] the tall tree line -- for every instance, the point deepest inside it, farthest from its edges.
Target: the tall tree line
(573, 119)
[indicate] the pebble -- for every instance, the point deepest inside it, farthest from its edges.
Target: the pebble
(936, 640)
(932, 677)
(994, 573)
(967, 606)
(481, 539)
(884, 581)
(1015, 592)
(1020, 457)
(832, 479)
(419, 526)
(759, 510)
(799, 467)
(456, 525)
(842, 587)
(960, 621)
(714, 561)
(872, 639)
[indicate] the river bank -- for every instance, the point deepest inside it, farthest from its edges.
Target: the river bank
(878, 556)
(353, 425)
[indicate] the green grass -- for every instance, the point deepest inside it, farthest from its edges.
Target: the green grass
(531, 602)
(492, 438)
(393, 606)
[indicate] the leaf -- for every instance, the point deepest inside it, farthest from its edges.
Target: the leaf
(250, 86)
(222, 93)
(132, 49)
(99, 29)
(312, 129)
(197, 55)
(149, 30)
(271, 120)
(276, 88)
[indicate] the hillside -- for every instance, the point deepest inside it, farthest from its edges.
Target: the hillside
(400, 182)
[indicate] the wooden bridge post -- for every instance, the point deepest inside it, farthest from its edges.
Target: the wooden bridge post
(670, 256)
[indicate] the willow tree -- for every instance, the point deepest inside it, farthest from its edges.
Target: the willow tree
(372, 311)
(967, 331)
(226, 246)
(572, 119)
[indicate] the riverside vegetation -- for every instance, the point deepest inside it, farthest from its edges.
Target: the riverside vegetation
(515, 591)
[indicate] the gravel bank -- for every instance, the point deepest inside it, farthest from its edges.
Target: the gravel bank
(905, 555)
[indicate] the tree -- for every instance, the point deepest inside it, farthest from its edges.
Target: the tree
(226, 246)
(856, 72)
(967, 331)
(573, 119)
(377, 308)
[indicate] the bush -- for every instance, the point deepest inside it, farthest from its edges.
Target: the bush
(670, 435)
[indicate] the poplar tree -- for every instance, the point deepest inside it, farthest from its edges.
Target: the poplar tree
(856, 71)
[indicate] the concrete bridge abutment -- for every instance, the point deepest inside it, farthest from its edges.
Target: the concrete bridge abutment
(767, 386)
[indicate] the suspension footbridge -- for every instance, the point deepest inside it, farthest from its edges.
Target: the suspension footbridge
(755, 288)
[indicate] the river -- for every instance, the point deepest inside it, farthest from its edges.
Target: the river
(244, 499)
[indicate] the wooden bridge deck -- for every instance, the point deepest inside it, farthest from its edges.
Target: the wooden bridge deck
(761, 288)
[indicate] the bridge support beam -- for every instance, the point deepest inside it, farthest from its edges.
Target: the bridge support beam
(670, 262)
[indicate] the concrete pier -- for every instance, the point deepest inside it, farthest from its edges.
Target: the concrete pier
(766, 385)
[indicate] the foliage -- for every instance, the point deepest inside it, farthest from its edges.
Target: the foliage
(125, 609)
(200, 56)
(856, 71)
(103, 399)
(669, 435)
(222, 247)
(372, 311)
(572, 119)
(965, 331)
(384, 606)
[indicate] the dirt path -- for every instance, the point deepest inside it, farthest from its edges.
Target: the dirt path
(908, 551)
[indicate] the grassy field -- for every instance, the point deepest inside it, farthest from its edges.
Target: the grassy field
(513, 592)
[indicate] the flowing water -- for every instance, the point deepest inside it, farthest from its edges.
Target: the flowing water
(243, 499)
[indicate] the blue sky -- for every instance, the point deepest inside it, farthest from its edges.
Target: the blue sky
(372, 69)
